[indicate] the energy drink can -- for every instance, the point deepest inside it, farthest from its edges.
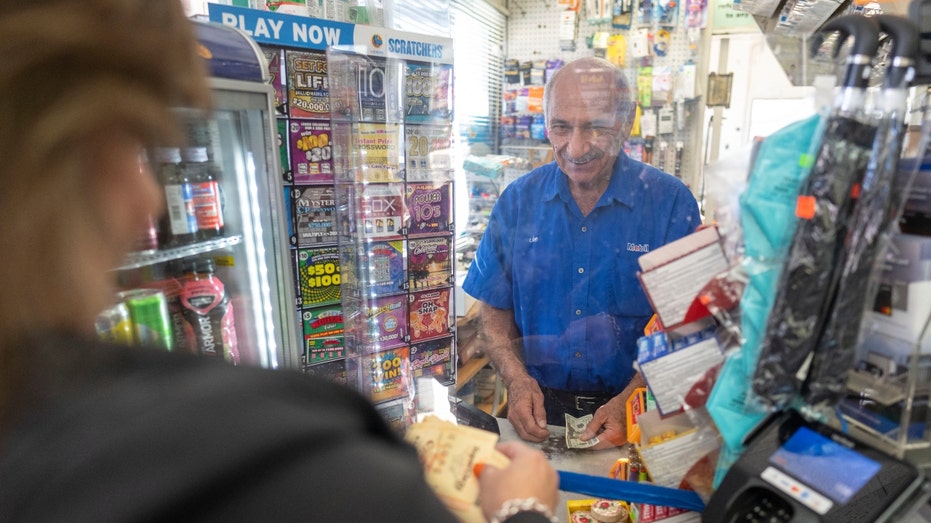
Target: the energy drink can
(114, 324)
(148, 309)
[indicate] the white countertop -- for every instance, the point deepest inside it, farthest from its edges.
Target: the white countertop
(582, 461)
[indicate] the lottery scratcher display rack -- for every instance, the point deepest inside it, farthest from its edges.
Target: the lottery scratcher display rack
(391, 121)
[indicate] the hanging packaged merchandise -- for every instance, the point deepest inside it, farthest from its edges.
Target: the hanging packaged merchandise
(661, 156)
(537, 72)
(634, 149)
(666, 13)
(599, 43)
(645, 12)
(696, 14)
(290, 7)
(661, 43)
(568, 27)
(598, 11)
(512, 73)
(662, 85)
(552, 65)
(824, 204)
(621, 14)
(207, 312)
(616, 52)
(685, 81)
(635, 128)
(802, 17)
(764, 8)
(640, 43)
(677, 171)
(664, 120)
(648, 122)
(645, 86)
(526, 68)
(767, 223)
(882, 195)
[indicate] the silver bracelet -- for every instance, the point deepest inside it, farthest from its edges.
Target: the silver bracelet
(512, 507)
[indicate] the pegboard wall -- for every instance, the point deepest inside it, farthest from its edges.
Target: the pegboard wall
(533, 34)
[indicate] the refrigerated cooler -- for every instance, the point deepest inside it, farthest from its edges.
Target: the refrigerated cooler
(213, 276)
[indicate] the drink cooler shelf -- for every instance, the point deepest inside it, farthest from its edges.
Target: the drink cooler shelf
(139, 259)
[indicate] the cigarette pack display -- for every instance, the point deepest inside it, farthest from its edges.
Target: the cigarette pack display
(383, 274)
(387, 322)
(311, 153)
(428, 91)
(308, 91)
(333, 370)
(274, 58)
(313, 209)
(319, 276)
(434, 358)
(389, 374)
(428, 152)
(430, 207)
(430, 314)
(383, 213)
(281, 125)
(429, 264)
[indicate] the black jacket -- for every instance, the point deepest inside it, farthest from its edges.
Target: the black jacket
(114, 434)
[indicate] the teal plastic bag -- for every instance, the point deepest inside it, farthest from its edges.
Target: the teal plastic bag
(767, 218)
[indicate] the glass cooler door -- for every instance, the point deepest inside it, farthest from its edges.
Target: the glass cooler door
(211, 278)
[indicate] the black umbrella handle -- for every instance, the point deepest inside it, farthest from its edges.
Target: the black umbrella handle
(904, 53)
(865, 33)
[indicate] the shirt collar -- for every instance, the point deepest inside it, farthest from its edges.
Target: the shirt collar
(619, 189)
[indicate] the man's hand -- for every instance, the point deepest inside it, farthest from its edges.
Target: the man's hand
(609, 423)
(525, 409)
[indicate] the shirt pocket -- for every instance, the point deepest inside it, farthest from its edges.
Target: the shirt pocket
(628, 296)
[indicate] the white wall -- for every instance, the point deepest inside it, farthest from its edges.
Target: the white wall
(762, 98)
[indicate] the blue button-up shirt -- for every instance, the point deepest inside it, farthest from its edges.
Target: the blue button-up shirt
(571, 280)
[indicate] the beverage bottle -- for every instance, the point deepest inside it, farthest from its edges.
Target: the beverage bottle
(206, 189)
(208, 312)
(179, 225)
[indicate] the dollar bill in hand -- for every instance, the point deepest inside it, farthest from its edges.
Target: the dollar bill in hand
(574, 429)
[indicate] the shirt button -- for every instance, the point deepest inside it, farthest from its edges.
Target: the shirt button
(578, 312)
(581, 270)
(584, 229)
(578, 354)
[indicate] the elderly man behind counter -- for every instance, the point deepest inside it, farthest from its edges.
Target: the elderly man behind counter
(556, 270)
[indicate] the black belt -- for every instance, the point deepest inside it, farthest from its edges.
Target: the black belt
(582, 401)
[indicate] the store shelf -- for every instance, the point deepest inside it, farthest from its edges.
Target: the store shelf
(495, 410)
(473, 361)
(468, 371)
(145, 258)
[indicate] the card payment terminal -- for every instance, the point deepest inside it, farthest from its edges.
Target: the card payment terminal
(795, 470)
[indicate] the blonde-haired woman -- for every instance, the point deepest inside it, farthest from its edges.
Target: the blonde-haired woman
(94, 432)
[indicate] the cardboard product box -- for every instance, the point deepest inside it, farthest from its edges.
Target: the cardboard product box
(671, 445)
(903, 299)
(671, 366)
